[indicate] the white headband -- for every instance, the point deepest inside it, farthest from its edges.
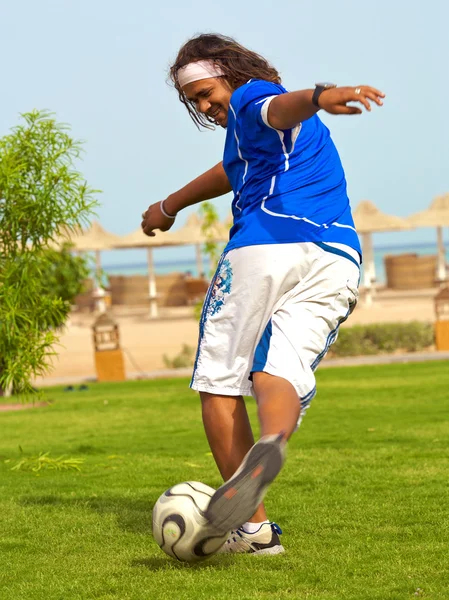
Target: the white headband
(201, 69)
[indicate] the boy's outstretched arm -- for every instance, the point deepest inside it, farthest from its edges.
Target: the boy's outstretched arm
(211, 184)
(287, 110)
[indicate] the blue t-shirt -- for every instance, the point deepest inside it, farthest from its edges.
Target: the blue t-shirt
(289, 186)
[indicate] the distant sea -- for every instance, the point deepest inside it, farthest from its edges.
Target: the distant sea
(184, 266)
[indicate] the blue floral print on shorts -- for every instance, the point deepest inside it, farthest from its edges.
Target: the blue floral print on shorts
(221, 287)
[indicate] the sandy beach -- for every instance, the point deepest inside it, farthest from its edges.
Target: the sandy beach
(144, 341)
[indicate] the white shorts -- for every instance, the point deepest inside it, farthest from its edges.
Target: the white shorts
(274, 308)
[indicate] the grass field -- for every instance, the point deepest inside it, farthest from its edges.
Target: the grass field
(363, 498)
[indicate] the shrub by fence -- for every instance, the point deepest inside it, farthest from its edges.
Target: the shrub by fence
(383, 338)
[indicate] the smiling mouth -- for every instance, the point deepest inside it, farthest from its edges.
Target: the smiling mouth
(213, 114)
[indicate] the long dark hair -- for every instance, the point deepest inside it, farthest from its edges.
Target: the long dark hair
(237, 63)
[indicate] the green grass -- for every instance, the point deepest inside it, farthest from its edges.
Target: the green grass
(363, 498)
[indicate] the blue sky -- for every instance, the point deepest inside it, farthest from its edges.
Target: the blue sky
(101, 66)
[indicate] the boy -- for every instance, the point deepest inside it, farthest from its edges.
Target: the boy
(288, 276)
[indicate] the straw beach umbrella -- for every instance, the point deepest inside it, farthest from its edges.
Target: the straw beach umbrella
(437, 215)
(137, 239)
(369, 219)
(192, 234)
(93, 239)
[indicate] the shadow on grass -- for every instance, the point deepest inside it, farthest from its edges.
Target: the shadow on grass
(133, 515)
(221, 562)
(165, 563)
(157, 563)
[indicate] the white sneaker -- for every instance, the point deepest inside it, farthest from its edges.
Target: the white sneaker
(263, 541)
(237, 499)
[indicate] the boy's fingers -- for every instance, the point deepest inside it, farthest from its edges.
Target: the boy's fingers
(370, 90)
(374, 97)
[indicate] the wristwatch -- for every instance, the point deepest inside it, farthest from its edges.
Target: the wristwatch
(319, 89)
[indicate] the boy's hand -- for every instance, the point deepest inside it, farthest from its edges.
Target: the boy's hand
(153, 218)
(334, 100)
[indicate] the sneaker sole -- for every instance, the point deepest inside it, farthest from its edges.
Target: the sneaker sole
(236, 500)
(272, 551)
(279, 549)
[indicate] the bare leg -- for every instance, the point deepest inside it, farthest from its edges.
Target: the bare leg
(278, 404)
(229, 433)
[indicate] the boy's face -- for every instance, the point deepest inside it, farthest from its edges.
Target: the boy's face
(211, 97)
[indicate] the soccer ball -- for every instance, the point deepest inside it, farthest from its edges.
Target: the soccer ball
(179, 525)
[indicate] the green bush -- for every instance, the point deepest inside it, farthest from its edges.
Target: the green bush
(42, 196)
(383, 338)
(185, 358)
(64, 273)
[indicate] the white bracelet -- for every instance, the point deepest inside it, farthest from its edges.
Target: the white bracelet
(163, 211)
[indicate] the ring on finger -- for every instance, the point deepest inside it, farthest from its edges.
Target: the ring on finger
(357, 90)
